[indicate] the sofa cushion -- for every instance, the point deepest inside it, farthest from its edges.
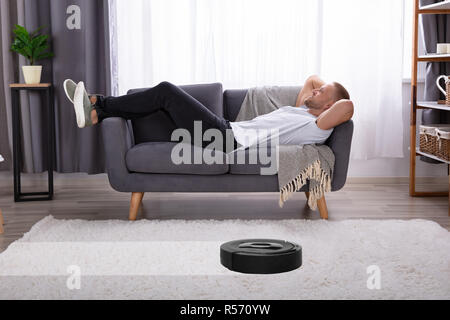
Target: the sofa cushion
(254, 161)
(156, 157)
(159, 126)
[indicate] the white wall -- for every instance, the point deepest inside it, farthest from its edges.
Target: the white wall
(398, 167)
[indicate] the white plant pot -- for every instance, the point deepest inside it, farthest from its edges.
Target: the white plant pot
(32, 74)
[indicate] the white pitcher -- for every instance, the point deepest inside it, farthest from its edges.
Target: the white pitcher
(447, 81)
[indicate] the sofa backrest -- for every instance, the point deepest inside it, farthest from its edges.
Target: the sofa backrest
(159, 127)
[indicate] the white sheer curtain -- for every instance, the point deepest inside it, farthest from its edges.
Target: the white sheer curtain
(248, 43)
(363, 49)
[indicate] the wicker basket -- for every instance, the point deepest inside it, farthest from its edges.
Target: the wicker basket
(443, 143)
(428, 138)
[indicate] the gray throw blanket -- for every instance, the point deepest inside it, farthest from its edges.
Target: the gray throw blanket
(297, 165)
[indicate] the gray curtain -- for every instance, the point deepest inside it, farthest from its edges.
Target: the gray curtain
(8, 17)
(436, 29)
(82, 54)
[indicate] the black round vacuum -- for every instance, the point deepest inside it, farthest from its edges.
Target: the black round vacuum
(261, 256)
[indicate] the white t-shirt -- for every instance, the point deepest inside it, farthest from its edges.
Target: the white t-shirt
(290, 125)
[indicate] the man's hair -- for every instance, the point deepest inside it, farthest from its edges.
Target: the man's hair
(341, 92)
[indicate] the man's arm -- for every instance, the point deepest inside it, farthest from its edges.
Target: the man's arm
(340, 112)
(313, 82)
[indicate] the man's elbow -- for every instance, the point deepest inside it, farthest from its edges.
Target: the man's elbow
(315, 80)
(348, 109)
(313, 77)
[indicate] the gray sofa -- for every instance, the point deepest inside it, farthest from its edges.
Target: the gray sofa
(138, 155)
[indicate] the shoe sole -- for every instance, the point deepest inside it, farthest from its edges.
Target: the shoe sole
(65, 88)
(78, 101)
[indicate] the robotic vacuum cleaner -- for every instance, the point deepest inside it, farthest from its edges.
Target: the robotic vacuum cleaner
(261, 256)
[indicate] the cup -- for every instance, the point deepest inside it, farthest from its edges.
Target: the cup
(447, 81)
(442, 48)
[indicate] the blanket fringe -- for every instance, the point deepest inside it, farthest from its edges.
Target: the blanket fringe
(312, 172)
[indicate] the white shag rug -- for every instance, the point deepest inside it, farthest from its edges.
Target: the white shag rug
(177, 259)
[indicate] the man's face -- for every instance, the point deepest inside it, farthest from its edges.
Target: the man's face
(321, 97)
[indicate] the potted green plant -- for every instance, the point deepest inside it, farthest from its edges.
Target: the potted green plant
(33, 46)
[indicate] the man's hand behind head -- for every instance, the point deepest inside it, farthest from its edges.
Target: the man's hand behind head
(342, 111)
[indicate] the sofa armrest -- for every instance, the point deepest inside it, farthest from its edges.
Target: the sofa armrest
(117, 140)
(340, 142)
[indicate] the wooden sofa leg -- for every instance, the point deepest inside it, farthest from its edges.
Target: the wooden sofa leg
(2, 222)
(136, 200)
(322, 205)
(307, 195)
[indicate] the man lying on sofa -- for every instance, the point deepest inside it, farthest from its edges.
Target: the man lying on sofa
(319, 109)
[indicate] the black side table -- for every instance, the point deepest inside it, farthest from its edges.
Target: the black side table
(45, 88)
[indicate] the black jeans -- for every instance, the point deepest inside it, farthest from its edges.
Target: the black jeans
(182, 108)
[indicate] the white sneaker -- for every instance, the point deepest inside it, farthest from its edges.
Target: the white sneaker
(69, 88)
(83, 106)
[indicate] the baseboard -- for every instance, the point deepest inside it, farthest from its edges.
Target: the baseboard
(397, 180)
(353, 180)
(43, 175)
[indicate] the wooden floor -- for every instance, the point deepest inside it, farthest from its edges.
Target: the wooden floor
(92, 198)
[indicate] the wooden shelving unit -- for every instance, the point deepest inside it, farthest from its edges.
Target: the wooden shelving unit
(437, 8)
(434, 58)
(441, 6)
(432, 105)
